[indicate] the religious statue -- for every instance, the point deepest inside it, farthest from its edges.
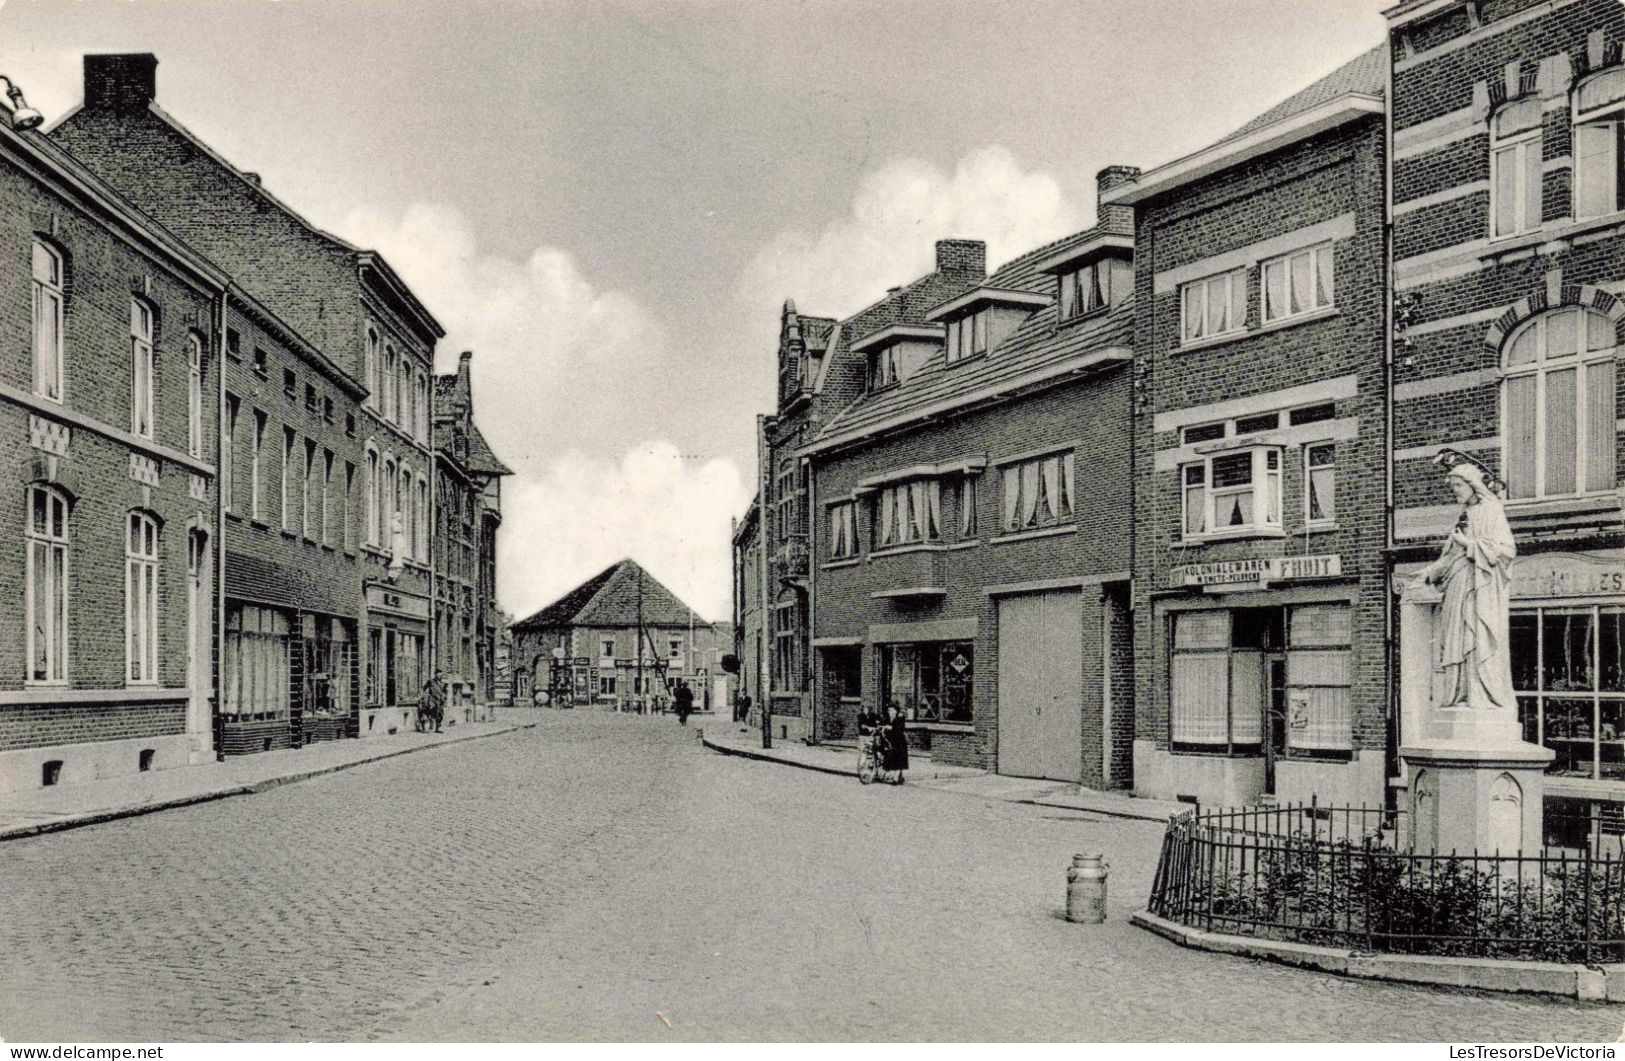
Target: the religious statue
(1474, 574)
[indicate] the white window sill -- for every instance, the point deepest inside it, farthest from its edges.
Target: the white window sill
(1602, 501)
(1029, 535)
(1559, 229)
(914, 547)
(969, 544)
(1237, 534)
(836, 565)
(1237, 334)
(1315, 528)
(1212, 340)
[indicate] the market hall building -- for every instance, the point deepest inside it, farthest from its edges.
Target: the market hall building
(1260, 586)
(1509, 272)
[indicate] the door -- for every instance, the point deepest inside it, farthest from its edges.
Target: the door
(1041, 685)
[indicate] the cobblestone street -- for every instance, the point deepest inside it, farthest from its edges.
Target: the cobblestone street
(600, 876)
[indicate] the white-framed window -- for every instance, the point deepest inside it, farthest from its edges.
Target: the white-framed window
(46, 604)
(256, 471)
(1298, 283)
(1038, 492)
(288, 443)
(1599, 144)
(372, 367)
(1215, 305)
(257, 671)
(141, 368)
(141, 600)
(606, 648)
(228, 455)
(967, 508)
(370, 487)
(674, 648)
(883, 367)
(48, 303)
(1515, 167)
(1320, 484)
(843, 530)
(1558, 405)
(1085, 290)
(388, 384)
(1215, 691)
(1232, 492)
(1319, 674)
(910, 512)
(968, 336)
(194, 394)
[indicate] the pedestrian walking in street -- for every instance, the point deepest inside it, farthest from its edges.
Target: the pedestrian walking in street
(896, 755)
(432, 704)
(683, 701)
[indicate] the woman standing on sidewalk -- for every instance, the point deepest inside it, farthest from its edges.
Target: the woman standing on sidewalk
(896, 730)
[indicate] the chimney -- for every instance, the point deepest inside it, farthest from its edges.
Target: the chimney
(1115, 217)
(962, 256)
(123, 84)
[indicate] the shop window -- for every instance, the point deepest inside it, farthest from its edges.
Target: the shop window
(930, 681)
(1215, 689)
(1319, 673)
(1599, 144)
(1567, 672)
(1039, 492)
(907, 513)
(1233, 492)
(329, 655)
(257, 670)
(1557, 399)
(1515, 168)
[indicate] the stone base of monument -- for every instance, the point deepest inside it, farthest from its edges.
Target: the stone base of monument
(1474, 785)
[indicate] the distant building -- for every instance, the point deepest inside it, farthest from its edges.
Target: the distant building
(619, 642)
(747, 605)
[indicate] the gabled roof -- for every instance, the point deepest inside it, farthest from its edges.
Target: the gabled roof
(1039, 348)
(1365, 74)
(480, 457)
(611, 599)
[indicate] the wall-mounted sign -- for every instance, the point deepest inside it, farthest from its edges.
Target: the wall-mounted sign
(1257, 570)
(1568, 575)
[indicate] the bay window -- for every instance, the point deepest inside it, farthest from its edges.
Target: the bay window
(1558, 405)
(48, 301)
(1038, 492)
(46, 585)
(906, 513)
(1214, 306)
(1232, 492)
(1599, 145)
(1298, 283)
(141, 600)
(1515, 168)
(843, 533)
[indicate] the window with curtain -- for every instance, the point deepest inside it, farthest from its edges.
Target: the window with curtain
(1298, 283)
(1319, 673)
(1213, 306)
(228, 455)
(309, 505)
(1091, 288)
(1320, 483)
(1558, 405)
(46, 584)
(967, 508)
(328, 514)
(257, 671)
(289, 441)
(1232, 492)
(907, 513)
(256, 472)
(141, 600)
(843, 533)
(883, 367)
(1515, 168)
(48, 302)
(1038, 492)
(1215, 684)
(141, 368)
(968, 336)
(1599, 144)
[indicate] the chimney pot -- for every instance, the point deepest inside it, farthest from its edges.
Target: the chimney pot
(124, 83)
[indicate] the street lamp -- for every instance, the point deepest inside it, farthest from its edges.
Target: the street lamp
(23, 117)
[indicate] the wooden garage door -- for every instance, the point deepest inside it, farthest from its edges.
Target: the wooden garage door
(1041, 685)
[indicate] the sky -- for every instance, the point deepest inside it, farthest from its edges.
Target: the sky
(608, 201)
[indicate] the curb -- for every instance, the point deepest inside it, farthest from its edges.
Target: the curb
(747, 753)
(1109, 813)
(1586, 983)
(192, 799)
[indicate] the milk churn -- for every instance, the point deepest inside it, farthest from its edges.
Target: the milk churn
(1086, 889)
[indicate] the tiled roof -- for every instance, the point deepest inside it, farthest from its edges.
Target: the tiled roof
(480, 457)
(1035, 344)
(445, 384)
(1366, 74)
(611, 598)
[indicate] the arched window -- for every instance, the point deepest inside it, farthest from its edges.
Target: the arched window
(48, 301)
(141, 368)
(388, 383)
(1599, 144)
(371, 502)
(406, 398)
(420, 517)
(388, 506)
(194, 394)
(141, 600)
(372, 367)
(1557, 405)
(1515, 167)
(403, 506)
(46, 595)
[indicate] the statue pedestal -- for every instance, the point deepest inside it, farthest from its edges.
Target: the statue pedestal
(1473, 783)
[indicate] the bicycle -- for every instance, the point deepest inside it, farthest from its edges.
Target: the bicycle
(870, 755)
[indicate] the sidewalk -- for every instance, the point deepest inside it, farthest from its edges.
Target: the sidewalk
(68, 806)
(734, 739)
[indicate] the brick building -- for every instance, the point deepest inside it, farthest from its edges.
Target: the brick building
(110, 402)
(619, 642)
(1508, 203)
(350, 308)
(747, 604)
(468, 513)
(1259, 575)
(972, 511)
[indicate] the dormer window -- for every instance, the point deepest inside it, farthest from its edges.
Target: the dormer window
(883, 368)
(968, 336)
(1087, 290)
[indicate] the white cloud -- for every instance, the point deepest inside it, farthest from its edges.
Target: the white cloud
(582, 514)
(561, 367)
(898, 213)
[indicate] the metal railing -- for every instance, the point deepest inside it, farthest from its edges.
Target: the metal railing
(1333, 876)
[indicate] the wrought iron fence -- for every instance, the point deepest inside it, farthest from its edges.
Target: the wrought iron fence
(1335, 876)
